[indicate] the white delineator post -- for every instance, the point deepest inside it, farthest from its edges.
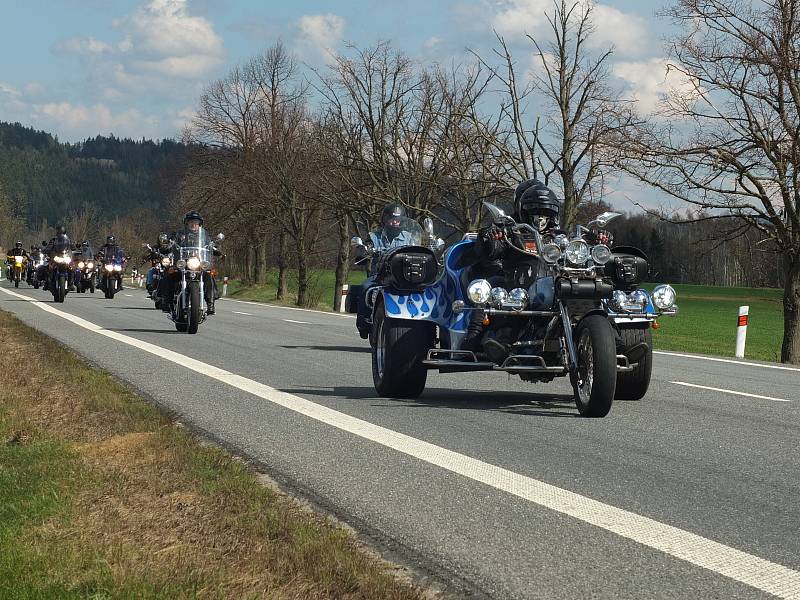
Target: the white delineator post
(343, 298)
(224, 286)
(741, 331)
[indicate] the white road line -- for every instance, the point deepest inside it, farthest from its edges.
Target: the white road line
(236, 312)
(319, 312)
(726, 360)
(129, 295)
(746, 568)
(713, 389)
(300, 322)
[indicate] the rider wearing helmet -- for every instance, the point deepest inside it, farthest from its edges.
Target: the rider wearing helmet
(394, 233)
(192, 222)
(17, 250)
(155, 253)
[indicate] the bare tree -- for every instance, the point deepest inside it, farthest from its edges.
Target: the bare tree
(579, 114)
(731, 147)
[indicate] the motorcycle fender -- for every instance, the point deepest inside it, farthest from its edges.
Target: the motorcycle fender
(417, 306)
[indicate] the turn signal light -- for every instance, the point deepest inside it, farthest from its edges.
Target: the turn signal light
(656, 325)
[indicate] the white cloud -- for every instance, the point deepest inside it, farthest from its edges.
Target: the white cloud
(9, 90)
(83, 46)
(628, 32)
(320, 34)
(432, 42)
(651, 82)
(80, 119)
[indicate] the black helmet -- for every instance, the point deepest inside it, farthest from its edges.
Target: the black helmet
(85, 243)
(61, 230)
(111, 240)
(192, 215)
(521, 188)
(392, 219)
(536, 201)
(163, 239)
(18, 245)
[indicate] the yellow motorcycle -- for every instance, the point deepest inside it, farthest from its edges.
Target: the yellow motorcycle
(18, 265)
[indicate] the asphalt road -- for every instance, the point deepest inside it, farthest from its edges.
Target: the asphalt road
(493, 486)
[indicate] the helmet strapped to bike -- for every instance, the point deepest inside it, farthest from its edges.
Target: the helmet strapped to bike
(537, 205)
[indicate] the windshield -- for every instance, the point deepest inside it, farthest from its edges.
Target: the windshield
(405, 233)
(194, 241)
(60, 244)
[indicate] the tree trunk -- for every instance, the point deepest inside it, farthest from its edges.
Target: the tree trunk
(342, 260)
(790, 351)
(261, 261)
(283, 267)
(302, 272)
(247, 275)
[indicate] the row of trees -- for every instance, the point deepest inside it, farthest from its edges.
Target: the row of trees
(291, 165)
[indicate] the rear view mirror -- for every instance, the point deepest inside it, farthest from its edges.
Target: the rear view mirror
(220, 236)
(427, 225)
(604, 219)
(356, 242)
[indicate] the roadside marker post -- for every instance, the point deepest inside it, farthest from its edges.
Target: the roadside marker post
(741, 330)
(343, 298)
(224, 286)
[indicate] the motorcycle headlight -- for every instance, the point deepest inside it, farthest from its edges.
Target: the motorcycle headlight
(577, 252)
(181, 264)
(58, 259)
(118, 267)
(551, 252)
(205, 265)
(498, 296)
(601, 254)
(193, 263)
(479, 291)
(639, 298)
(619, 300)
(67, 259)
(517, 299)
(18, 259)
(166, 261)
(90, 265)
(664, 297)
(109, 268)
(81, 265)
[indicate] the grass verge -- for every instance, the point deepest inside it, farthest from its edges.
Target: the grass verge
(706, 323)
(320, 288)
(102, 496)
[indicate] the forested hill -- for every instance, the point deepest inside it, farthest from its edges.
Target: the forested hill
(47, 180)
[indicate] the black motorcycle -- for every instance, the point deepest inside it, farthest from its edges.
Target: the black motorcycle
(194, 253)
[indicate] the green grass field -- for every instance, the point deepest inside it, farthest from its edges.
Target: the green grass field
(321, 284)
(706, 323)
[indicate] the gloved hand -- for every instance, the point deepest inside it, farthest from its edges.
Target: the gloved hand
(493, 233)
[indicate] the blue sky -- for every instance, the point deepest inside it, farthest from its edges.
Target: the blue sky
(136, 68)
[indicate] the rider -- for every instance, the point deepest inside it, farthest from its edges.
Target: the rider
(536, 205)
(392, 234)
(154, 254)
(33, 257)
(192, 222)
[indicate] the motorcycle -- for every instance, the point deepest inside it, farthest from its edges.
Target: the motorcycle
(111, 281)
(546, 315)
(194, 253)
(60, 274)
(18, 268)
(35, 261)
(159, 265)
(86, 276)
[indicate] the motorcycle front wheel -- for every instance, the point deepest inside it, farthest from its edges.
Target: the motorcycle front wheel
(595, 382)
(194, 307)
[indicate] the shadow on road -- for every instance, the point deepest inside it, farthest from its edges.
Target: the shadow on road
(518, 403)
(146, 330)
(150, 308)
(330, 348)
